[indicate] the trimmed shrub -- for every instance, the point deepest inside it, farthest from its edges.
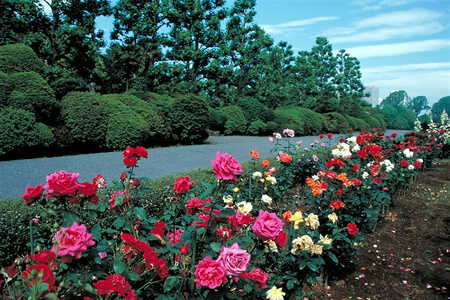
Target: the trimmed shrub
(291, 118)
(361, 124)
(32, 93)
(190, 115)
(5, 89)
(85, 117)
(17, 58)
(271, 127)
(351, 122)
(45, 135)
(125, 127)
(236, 122)
(18, 130)
(158, 128)
(338, 122)
(252, 109)
(313, 123)
(217, 120)
(257, 128)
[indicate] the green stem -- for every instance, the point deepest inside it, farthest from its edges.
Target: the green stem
(31, 237)
(194, 253)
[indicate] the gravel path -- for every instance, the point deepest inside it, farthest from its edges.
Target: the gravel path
(16, 175)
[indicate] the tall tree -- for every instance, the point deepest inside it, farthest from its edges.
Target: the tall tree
(139, 24)
(397, 98)
(419, 104)
(439, 107)
(195, 36)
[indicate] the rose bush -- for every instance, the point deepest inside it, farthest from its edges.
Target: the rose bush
(242, 236)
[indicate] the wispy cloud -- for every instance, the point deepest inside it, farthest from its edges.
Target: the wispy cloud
(395, 49)
(427, 79)
(381, 4)
(392, 25)
(293, 25)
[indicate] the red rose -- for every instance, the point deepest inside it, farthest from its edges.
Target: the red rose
(87, 189)
(182, 184)
(123, 176)
(12, 271)
(330, 135)
(61, 183)
(417, 164)
(259, 277)
(159, 229)
(37, 274)
(352, 229)
(130, 161)
(404, 164)
(362, 154)
(265, 163)
(336, 204)
(128, 152)
(394, 135)
(32, 193)
(195, 205)
(210, 273)
(321, 136)
(281, 239)
(47, 257)
(99, 181)
(284, 157)
(141, 152)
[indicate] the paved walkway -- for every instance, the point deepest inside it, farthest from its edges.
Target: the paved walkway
(16, 175)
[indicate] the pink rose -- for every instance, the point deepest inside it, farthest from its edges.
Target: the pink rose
(61, 183)
(32, 193)
(71, 241)
(226, 167)
(267, 225)
(175, 238)
(234, 260)
(259, 277)
(210, 273)
(182, 184)
(120, 201)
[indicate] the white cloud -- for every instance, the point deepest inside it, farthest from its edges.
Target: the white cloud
(396, 49)
(425, 79)
(392, 25)
(293, 25)
(382, 4)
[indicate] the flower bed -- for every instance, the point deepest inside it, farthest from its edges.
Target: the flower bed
(244, 236)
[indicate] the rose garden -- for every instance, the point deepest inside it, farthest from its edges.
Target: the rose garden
(267, 230)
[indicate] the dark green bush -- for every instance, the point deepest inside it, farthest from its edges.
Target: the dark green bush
(18, 130)
(252, 109)
(257, 128)
(85, 117)
(159, 130)
(17, 58)
(45, 135)
(32, 93)
(217, 120)
(361, 124)
(15, 217)
(236, 122)
(125, 127)
(271, 127)
(190, 115)
(292, 118)
(313, 123)
(351, 122)
(338, 121)
(6, 88)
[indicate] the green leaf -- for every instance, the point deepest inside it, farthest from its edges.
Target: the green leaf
(88, 288)
(228, 212)
(312, 266)
(119, 267)
(51, 296)
(333, 257)
(96, 231)
(118, 223)
(248, 288)
(69, 218)
(169, 283)
(133, 276)
(140, 213)
(291, 283)
(216, 247)
(302, 265)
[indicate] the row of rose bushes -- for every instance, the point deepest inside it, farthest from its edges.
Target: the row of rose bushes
(244, 236)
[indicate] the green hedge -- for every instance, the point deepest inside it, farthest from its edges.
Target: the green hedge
(6, 88)
(20, 132)
(191, 118)
(291, 118)
(336, 122)
(313, 122)
(85, 117)
(252, 109)
(236, 122)
(125, 127)
(32, 93)
(159, 130)
(17, 58)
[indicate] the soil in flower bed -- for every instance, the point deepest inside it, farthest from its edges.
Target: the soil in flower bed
(408, 254)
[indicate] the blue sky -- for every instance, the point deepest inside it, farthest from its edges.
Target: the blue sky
(401, 44)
